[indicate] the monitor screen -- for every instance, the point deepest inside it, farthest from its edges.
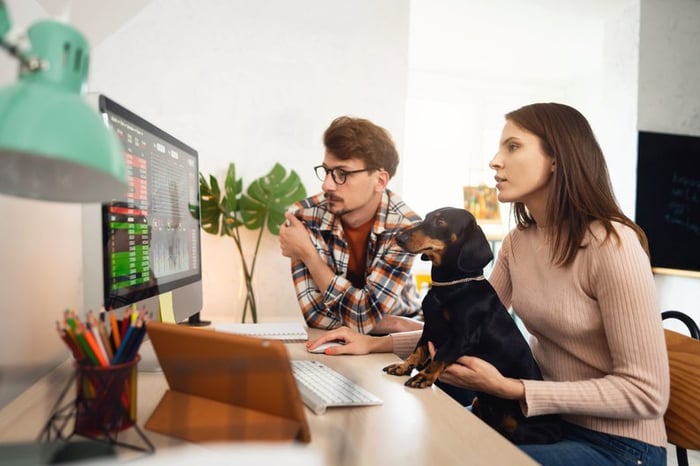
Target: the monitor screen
(149, 240)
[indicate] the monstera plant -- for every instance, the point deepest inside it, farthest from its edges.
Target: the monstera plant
(260, 207)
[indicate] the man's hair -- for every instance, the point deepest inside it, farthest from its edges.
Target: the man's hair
(581, 191)
(357, 138)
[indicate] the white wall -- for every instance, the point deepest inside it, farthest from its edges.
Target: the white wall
(669, 101)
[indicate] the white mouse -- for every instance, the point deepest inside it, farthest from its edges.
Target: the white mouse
(322, 347)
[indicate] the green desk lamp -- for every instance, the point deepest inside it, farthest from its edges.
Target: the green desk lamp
(53, 145)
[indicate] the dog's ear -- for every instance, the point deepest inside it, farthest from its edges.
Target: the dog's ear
(476, 252)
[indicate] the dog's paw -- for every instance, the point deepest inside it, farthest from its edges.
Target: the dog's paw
(420, 380)
(398, 369)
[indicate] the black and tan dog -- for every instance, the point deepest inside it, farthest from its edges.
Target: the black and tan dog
(464, 316)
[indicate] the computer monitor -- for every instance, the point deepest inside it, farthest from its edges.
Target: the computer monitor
(148, 243)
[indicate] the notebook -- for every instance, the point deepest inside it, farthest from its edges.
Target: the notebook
(286, 331)
(225, 387)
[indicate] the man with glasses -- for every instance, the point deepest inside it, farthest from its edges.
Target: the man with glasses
(346, 266)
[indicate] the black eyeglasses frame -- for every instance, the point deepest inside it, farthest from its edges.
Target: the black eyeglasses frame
(339, 175)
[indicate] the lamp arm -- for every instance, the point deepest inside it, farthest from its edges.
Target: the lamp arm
(28, 62)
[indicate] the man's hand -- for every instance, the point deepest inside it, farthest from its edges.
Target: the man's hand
(294, 239)
(296, 244)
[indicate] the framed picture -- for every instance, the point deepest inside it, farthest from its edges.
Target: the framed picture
(482, 202)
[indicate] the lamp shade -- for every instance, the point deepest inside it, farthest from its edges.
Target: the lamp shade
(53, 145)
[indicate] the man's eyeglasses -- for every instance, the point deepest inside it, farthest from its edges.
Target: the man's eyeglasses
(339, 175)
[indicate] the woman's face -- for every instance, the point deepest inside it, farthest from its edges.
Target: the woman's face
(523, 170)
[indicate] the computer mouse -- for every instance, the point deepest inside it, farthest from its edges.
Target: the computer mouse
(322, 347)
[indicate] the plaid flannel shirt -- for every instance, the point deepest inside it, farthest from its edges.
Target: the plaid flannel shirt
(389, 285)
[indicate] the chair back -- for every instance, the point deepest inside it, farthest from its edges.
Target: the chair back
(682, 417)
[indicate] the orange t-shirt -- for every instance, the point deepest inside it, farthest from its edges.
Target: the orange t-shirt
(357, 248)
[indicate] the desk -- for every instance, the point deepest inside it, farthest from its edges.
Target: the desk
(412, 427)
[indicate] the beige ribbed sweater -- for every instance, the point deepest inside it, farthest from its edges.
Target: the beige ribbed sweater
(595, 331)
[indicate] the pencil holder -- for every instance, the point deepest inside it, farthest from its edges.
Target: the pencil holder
(106, 398)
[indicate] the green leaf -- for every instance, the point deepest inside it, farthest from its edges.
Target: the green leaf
(274, 179)
(288, 184)
(290, 190)
(257, 191)
(194, 210)
(209, 200)
(268, 197)
(274, 221)
(252, 212)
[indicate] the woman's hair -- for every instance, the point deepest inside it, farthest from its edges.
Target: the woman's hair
(581, 191)
(357, 138)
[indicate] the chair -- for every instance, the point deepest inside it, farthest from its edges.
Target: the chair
(682, 417)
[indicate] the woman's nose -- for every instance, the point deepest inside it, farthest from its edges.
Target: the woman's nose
(495, 162)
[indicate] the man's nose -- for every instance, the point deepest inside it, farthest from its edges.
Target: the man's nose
(328, 183)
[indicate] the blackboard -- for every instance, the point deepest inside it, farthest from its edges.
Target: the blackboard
(668, 198)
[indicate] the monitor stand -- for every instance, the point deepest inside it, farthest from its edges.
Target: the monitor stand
(195, 321)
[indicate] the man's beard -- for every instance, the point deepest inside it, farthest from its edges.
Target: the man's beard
(330, 198)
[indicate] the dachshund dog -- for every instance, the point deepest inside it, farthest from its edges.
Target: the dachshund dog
(464, 316)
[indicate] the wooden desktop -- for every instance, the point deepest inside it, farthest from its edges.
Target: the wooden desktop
(412, 427)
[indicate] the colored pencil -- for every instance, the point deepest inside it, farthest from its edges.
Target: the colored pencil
(119, 356)
(116, 338)
(80, 336)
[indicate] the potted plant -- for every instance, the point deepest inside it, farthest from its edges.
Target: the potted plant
(262, 206)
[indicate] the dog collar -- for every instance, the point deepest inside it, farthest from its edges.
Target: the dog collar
(461, 280)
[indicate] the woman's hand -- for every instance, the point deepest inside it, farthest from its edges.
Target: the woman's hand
(476, 374)
(354, 342)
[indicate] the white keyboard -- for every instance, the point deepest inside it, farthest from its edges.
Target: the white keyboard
(322, 387)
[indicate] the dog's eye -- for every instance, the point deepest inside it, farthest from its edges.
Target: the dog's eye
(441, 222)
